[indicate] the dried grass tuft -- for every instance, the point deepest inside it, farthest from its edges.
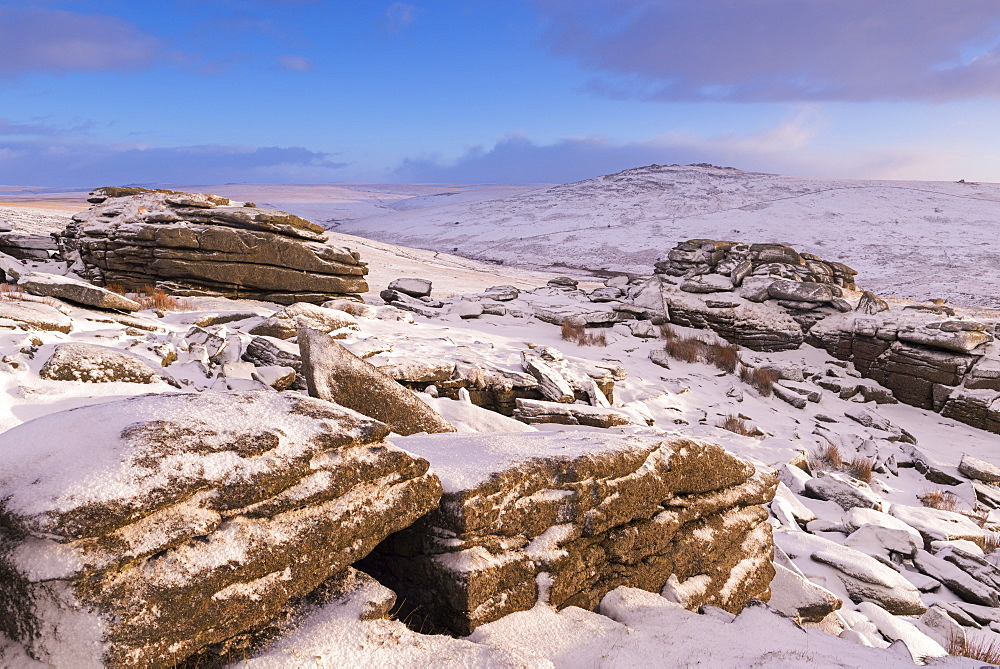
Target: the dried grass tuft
(942, 500)
(861, 468)
(577, 333)
(761, 379)
(737, 425)
(974, 646)
(11, 292)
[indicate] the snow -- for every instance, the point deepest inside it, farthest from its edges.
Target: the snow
(462, 463)
(632, 628)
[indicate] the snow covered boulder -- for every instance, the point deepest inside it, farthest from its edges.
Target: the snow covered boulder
(90, 363)
(283, 324)
(412, 287)
(34, 316)
(162, 524)
(81, 292)
(570, 516)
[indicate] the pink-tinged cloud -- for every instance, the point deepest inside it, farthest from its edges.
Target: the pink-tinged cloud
(782, 50)
(33, 39)
(295, 63)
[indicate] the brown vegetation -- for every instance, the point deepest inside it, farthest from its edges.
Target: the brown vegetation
(737, 425)
(723, 355)
(151, 297)
(761, 379)
(577, 333)
(11, 292)
(942, 500)
(861, 468)
(974, 646)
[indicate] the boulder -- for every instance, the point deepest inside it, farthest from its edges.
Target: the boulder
(284, 324)
(793, 596)
(81, 292)
(465, 309)
(335, 374)
(938, 525)
(802, 291)
(871, 304)
(145, 239)
(960, 341)
(868, 580)
(26, 246)
(34, 316)
(412, 287)
(978, 469)
(563, 283)
(501, 293)
(969, 588)
(846, 495)
(533, 412)
(592, 511)
(707, 283)
(89, 363)
(194, 518)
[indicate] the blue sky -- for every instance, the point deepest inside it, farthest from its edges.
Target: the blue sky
(306, 91)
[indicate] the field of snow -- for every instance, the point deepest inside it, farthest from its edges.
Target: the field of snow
(907, 239)
(918, 240)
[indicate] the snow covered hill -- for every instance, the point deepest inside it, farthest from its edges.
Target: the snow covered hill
(907, 239)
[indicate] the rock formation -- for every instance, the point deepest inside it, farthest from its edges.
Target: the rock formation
(196, 244)
(569, 517)
(192, 519)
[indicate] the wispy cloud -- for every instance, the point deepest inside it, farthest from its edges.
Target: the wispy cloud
(782, 50)
(399, 16)
(295, 63)
(34, 39)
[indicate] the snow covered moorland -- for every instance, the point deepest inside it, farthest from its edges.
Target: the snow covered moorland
(917, 240)
(738, 459)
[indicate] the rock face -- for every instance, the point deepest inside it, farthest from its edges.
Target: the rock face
(194, 518)
(195, 244)
(569, 517)
(335, 374)
(26, 246)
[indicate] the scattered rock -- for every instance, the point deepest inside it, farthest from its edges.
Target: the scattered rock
(285, 323)
(534, 412)
(847, 496)
(978, 469)
(793, 596)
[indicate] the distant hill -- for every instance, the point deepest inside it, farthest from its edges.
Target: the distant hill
(907, 238)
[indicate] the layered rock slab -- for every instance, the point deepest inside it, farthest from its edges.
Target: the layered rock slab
(191, 243)
(193, 518)
(568, 517)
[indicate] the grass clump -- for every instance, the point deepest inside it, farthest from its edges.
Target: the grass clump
(861, 468)
(577, 333)
(976, 647)
(761, 379)
(737, 425)
(151, 297)
(942, 500)
(722, 355)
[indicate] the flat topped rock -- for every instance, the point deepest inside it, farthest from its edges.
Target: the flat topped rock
(35, 316)
(145, 453)
(568, 474)
(73, 290)
(90, 363)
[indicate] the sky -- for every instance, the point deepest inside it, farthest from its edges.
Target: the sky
(494, 91)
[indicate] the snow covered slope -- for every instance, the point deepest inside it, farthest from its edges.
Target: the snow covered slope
(908, 239)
